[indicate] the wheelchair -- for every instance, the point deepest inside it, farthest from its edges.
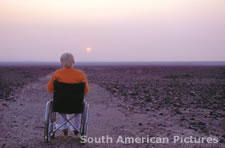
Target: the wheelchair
(67, 99)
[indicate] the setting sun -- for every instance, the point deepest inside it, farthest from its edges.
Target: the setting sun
(88, 50)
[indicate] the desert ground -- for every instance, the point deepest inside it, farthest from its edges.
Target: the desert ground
(125, 100)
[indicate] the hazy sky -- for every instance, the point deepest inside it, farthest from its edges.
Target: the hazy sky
(115, 30)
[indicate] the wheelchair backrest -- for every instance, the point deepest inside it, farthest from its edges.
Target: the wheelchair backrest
(68, 98)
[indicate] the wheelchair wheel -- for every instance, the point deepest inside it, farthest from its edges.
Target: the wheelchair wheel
(51, 125)
(84, 120)
(49, 121)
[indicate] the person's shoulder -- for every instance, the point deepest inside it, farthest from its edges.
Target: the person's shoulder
(58, 71)
(79, 71)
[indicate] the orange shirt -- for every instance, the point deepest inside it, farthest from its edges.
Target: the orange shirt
(67, 75)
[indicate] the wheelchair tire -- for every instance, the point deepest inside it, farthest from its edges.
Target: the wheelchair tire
(84, 125)
(51, 124)
(46, 130)
(48, 124)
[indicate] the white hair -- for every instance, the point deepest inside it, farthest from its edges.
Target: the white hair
(67, 60)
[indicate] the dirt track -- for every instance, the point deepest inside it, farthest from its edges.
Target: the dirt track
(23, 124)
(22, 121)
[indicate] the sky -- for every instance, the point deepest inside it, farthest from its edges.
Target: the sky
(112, 30)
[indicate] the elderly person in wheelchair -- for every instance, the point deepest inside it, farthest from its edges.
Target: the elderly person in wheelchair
(68, 86)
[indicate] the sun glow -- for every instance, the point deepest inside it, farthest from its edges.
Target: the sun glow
(88, 50)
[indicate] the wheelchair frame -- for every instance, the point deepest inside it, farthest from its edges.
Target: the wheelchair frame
(50, 121)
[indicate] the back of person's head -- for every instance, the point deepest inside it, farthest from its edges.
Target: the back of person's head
(67, 60)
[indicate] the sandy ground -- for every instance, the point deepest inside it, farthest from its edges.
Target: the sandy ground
(22, 121)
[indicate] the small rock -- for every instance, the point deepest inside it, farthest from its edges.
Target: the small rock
(5, 104)
(140, 124)
(148, 100)
(142, 97)
(192, 93)
(170, 93)
(3, 145)
(182, 119)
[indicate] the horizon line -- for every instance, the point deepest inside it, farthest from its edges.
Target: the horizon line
(128, 63)
(112, 61)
